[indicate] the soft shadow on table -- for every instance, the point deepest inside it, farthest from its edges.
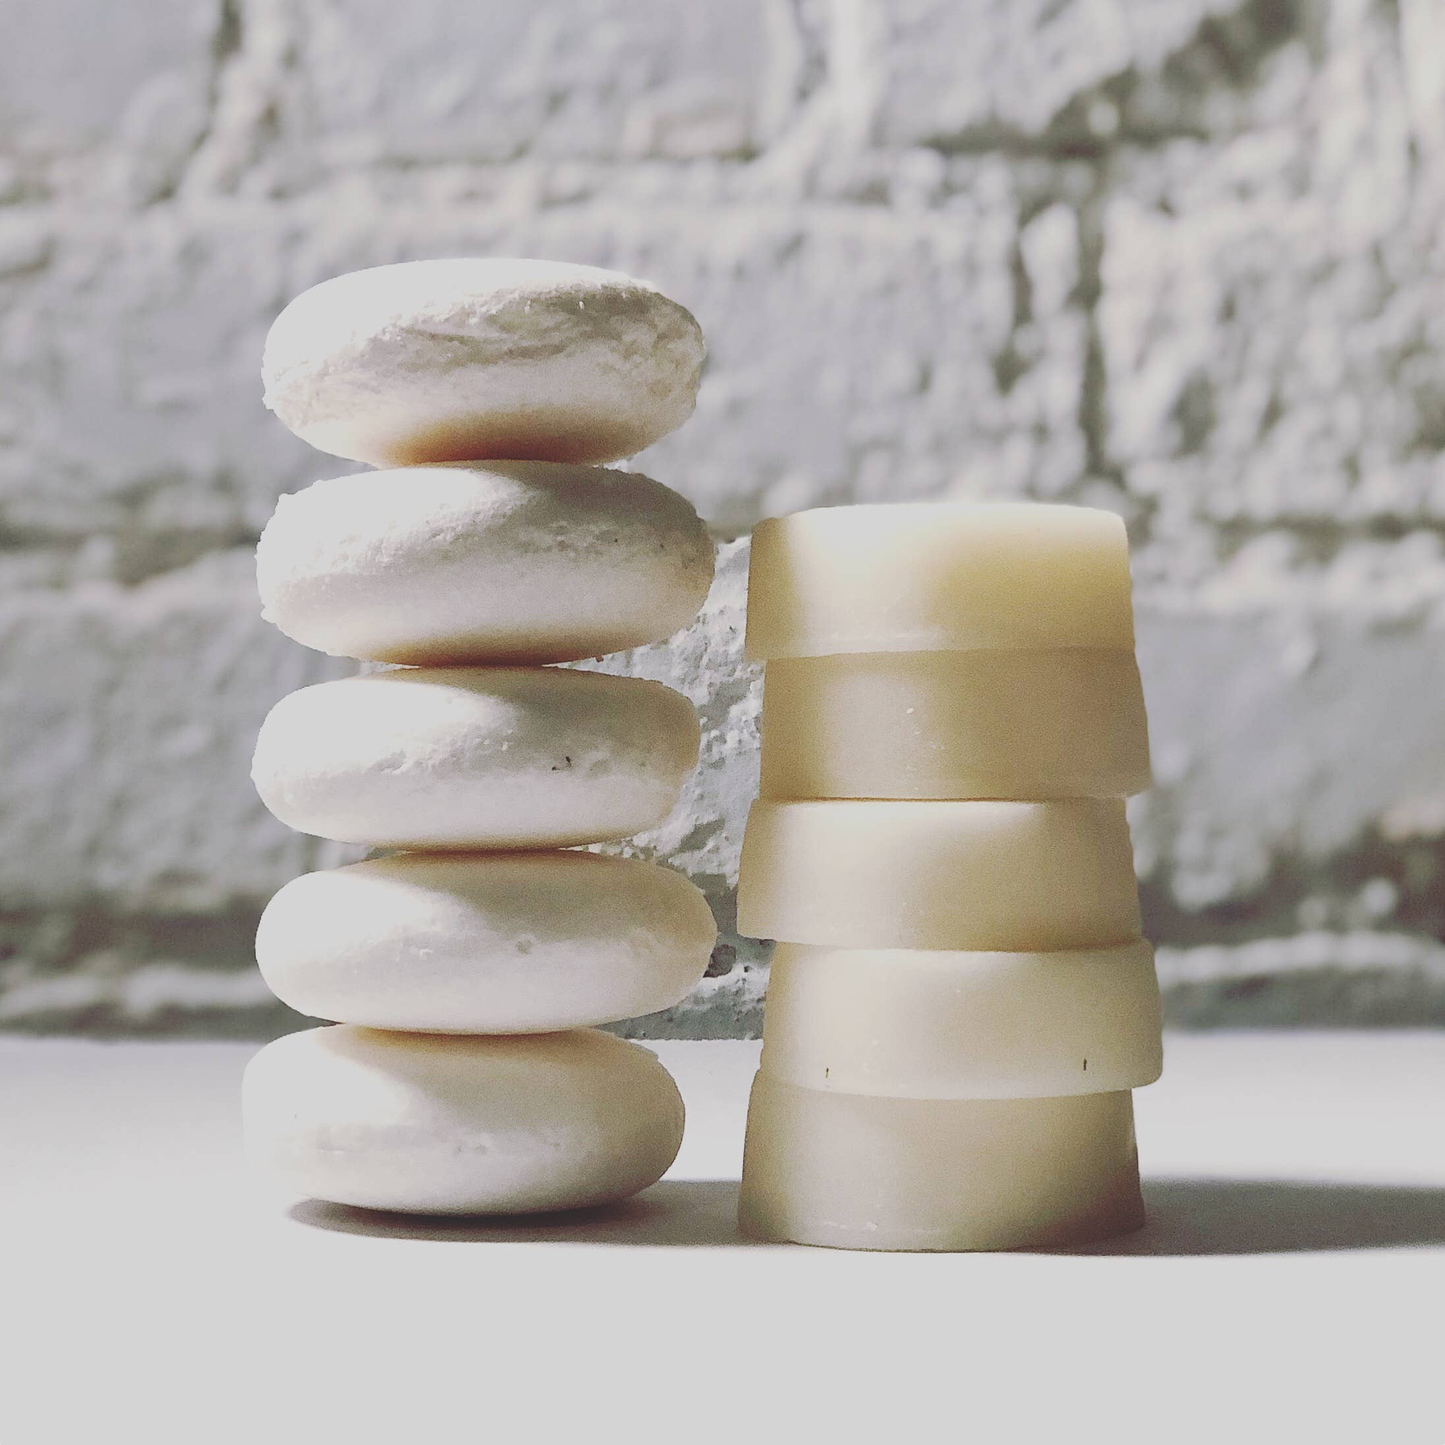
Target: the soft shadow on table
(695, 1212)
(1186, 1217)
(1279, 1216)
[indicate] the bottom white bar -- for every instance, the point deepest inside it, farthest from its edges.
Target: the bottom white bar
(863, 1172)
(446, 1124)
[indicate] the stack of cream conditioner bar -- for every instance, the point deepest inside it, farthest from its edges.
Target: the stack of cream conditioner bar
(467, 967)
(960, 999)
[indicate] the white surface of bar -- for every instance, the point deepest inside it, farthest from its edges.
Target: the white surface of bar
(483, 562)
(486, 943)
(476, 757)
(441, 1124)
(436, 360)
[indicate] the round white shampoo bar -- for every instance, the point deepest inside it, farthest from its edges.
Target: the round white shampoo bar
(436, 1124)
(956, 875)
(498, 943)
(860, 1172)
(938, 576)
(436, 361)
(506, 757)
(1006, 723)
(935, 1024)
(488, 562)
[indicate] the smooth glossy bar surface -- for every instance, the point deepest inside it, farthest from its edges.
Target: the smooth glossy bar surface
(935, 1024)
(857, 1172)
(959, 875)
(1005, 723)
(925, 576)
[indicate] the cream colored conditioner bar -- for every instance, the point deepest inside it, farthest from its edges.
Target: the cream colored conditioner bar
(860, 1172)
(958, 875)
(938, 576)
(1004, 723)
(937, 1024)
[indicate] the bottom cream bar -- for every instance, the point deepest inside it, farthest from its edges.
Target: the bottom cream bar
(861, 1172)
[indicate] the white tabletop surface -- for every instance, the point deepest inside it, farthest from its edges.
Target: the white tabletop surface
(1289, 1288)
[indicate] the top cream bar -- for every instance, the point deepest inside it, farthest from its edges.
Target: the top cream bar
(938, 576)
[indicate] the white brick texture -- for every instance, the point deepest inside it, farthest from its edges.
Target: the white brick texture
(1180, 258)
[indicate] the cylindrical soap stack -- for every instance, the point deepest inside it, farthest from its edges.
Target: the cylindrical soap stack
(960, 999)
(466, 969)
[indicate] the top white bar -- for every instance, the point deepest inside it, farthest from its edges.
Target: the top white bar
(938, 576)
(482, 358)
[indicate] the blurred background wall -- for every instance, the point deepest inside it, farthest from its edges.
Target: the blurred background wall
(1184, 259)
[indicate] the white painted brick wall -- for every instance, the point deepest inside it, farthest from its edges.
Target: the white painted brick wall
(1181, 258)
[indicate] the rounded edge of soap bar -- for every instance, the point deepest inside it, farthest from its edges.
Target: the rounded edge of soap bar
(467, 358)
(467, 758)
(852, 1171)
(483, 562)
(987, 724)
(938, 576)
(443, 1124)
(941, 1024)
(498, 943)
(995, 876)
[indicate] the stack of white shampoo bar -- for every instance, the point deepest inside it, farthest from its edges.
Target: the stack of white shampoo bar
(468, 967)
(960, 1000)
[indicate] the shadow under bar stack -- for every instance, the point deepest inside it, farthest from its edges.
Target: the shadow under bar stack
(466, 969)
(960, 1000)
